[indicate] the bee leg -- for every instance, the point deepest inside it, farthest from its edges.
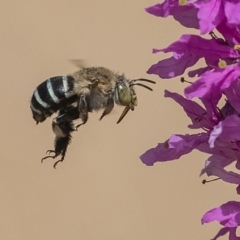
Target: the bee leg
(83, 111)
(67, 115)
(61, 144)
(49, 152)
(63, 137)
(52, 151)
(109, 106)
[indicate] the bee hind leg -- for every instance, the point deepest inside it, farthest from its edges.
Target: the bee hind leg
(61, 145)
(60, 160)
(63, 138)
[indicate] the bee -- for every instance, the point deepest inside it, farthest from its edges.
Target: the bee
(74, 96)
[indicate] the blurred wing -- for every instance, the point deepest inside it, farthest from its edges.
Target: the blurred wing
(79, 63)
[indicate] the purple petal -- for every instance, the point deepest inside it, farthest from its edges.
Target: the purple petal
(228, 110)
(233, 95)
(232, 10)
(238, 189)
(215, 167)
(223, 231)
(204, 147)
(200, 47)
(185, 15)
(210, 15)
(172, 67)
(174, 148)
(186, 52)
(227, 130)
(232, 234)
(164, 9)
(231, 33)
(195, 112)
(198, 72)
(227, 214)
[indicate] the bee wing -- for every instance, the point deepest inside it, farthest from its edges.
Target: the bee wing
(124, 113)
(79, 63)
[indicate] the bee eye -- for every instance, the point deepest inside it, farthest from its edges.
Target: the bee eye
(124, 94)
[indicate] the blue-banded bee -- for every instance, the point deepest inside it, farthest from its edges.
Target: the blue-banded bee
(74, 96)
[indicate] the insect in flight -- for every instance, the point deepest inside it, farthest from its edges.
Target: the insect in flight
(74, 96)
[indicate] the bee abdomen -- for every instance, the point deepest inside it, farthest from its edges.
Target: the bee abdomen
(50, 95)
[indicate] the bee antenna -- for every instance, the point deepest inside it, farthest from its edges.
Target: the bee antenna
(142, 80)
(142, 85)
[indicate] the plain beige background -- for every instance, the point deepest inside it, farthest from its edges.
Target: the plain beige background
(102, 190)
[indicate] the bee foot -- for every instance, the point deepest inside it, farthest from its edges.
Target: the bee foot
(50, 151)
(76, 127)
(55, 164)
(46, 158)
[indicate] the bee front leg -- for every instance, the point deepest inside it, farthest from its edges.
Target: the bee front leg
(82, 110)
(109, 106)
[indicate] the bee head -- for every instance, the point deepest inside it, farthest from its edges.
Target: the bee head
(125, 94)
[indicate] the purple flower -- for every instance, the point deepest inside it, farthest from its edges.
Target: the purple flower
(199, 14)
(178, 145)
(212, 84)
(186, 53)
(215, 167)
(227, 215)
(219, 127)
(221, 138)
